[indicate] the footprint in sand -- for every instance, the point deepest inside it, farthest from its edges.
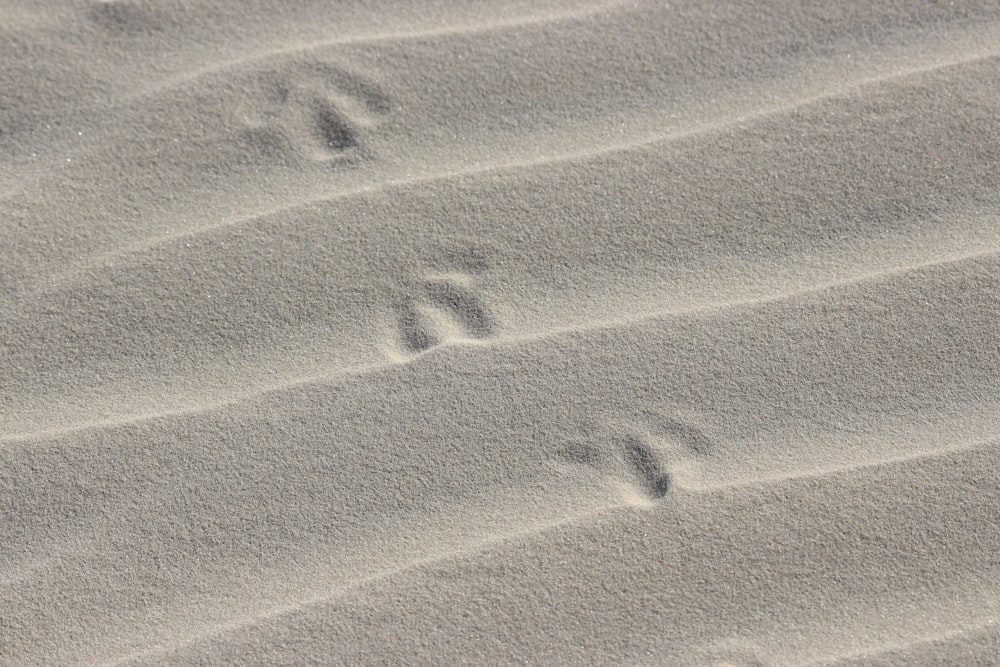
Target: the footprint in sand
(313, 110)
(123, 17)
(438, 308)
(645, 467)
(643, 452)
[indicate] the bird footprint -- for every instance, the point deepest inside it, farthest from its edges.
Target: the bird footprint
(439, 308)
(644, 454)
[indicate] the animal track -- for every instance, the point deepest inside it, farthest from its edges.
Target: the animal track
(435, 305)
(641, 459)
(582, 453)
(687, 435)
(336, 130)
(123, 17)
(414, 333)
(334, 107)
(463, 305)
(640, 450)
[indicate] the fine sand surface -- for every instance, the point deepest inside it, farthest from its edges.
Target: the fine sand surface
(468, 332)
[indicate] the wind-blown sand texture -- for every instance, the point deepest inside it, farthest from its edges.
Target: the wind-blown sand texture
(499, 332)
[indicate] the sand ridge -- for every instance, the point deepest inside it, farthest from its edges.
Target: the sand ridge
(578, 333)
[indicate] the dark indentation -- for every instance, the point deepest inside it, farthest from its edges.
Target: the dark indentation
(123, 17)
(413, 334)
(463, 305)
(583, 453)
(687, 435)
(655, 482)
(338, 135)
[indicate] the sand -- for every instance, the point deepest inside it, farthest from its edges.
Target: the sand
(446, 332)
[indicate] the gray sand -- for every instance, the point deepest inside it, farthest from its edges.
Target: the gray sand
(499, 332)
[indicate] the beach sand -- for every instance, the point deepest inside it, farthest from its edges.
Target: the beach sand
(447, 332)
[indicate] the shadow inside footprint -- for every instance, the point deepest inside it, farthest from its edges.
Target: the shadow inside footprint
(412, 332)
(124, 17)
(690, 436)
(582, 453)
(654, 481)
(463, 306)
(336, 130)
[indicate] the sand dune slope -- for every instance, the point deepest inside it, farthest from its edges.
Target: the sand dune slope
(449, 332)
